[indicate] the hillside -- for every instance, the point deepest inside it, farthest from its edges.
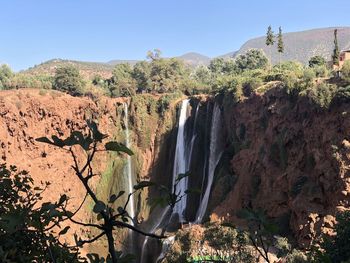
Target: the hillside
(87, 69)
(302, 45)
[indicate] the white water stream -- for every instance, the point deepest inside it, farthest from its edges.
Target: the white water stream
(216, 149)
(127, 168)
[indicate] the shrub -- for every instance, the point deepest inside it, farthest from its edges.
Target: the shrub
(317, 61)
(337, 248)
(345, 71)
(322, 94)
(5, 76)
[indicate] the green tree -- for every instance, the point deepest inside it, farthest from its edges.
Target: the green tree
(121, 83)
(217, 65)
(68, 79)
(269, 40)
(141, 73)
(317, 61)
(335, 56)
(154, 54)
(5, 76)
(280, 44)
(167, 74)
(252, 59)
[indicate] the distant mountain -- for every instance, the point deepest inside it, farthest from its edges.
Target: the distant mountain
(195, 59)
(122, 61)
(191, 58)
(302, 45)
(228, 55)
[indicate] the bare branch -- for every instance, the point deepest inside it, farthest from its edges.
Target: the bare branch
(126, 225)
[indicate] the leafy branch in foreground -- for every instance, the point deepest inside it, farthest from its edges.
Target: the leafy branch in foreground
(92, 143)
(28, 229)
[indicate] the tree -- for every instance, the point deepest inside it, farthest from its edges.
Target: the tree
(317, 61)
(167, 74)
(269, 40)
(68, 79)
(154, 54)
(280, 44)
(335, 56)
(5, 75)
(121, 83)
(252, 59)
(141, 73)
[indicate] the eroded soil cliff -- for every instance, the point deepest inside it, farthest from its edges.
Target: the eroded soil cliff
(289, 157)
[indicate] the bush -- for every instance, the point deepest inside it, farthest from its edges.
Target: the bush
(5, 76)
(25, 234)
(322, 94)
(68, 79)
(317, 61)
(345, 71)
(337, 248)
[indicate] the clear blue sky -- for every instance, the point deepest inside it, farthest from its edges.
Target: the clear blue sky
(33, 31)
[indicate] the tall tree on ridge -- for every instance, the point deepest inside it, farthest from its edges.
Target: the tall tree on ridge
(280, 44)
(335, 56)
(270, 40)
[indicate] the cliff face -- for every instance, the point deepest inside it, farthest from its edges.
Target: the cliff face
(288, 157)
(28, 114)
(283, 154)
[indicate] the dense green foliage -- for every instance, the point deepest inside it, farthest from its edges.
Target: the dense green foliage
(337, 248)
(317, 61)
(5, 76)
(68, 79)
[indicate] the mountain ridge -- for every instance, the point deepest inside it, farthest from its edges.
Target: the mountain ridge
(299, 46)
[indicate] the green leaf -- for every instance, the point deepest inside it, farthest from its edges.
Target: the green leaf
(143, 184)
(57, 141)
(99, 207)
(97, 135)
(181, 176)
(64, 231)
(121, 210)
(44, 140)
(62, 199)
(118, 147)
(114, 197)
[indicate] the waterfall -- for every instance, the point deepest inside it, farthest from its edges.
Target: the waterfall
(215, 152)
(194, 135)
(127, 168)
(183, 155)
(181, 163)
(154, 228)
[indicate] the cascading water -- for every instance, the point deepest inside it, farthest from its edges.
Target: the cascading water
(216, 149)
(127, 168)
(181, 163)
(182, 160)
